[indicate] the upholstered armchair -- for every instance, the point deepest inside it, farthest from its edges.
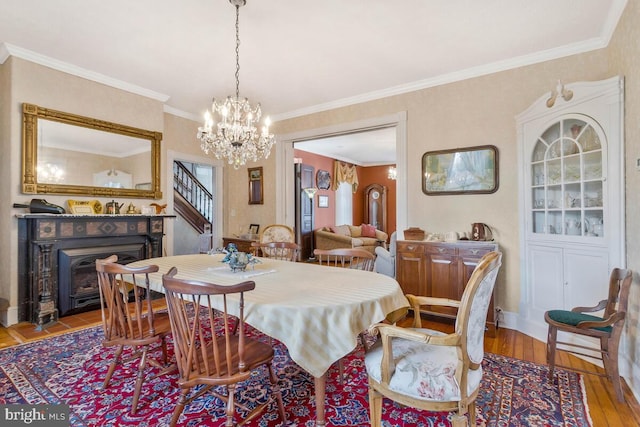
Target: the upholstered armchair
(430, 370)
(386, 259)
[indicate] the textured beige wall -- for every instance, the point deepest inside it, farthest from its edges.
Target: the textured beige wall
(624, 52)
(477, 111)
(239, 213)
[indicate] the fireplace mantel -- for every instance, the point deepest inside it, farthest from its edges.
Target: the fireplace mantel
(45, 238)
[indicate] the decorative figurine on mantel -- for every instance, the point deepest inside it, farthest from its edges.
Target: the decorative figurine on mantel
(238, 261)
(131, 210)
(160, 209)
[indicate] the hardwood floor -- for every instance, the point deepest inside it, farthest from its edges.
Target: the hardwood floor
(604, 409)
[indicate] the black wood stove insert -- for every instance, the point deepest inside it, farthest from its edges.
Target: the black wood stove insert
(57, 256)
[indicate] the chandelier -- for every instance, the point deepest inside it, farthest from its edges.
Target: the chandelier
(234, 135)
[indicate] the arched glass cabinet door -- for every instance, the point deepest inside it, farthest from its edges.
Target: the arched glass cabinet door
(567, 179)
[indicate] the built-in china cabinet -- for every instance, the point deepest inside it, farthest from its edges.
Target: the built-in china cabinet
(572, 205)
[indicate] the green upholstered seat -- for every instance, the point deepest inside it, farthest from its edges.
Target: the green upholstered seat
(573, 318)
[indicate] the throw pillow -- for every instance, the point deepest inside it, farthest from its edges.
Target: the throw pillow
(368, 230)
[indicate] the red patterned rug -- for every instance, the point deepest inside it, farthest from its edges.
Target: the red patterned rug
(70, 369)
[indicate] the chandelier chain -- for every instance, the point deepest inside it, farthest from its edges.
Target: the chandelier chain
(237, 51)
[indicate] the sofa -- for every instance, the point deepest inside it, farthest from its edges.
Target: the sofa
(349, 236)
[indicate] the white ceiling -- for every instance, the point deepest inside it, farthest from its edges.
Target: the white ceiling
(296, 56)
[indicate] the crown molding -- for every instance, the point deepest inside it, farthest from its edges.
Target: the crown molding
(65, 67)
(4, 53)
(181, 113)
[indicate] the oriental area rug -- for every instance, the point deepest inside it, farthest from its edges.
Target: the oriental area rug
(70, 368)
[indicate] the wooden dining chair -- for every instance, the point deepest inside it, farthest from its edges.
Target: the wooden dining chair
(430, 370)
(129, 319)
(606, 328)
(354, 258)
(286, 251)
(208, 353)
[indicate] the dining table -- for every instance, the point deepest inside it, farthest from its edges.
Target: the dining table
(316, 311)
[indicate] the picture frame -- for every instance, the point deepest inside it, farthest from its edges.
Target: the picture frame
(323, 201)
(256, 196)
(323, 179)
(253, 228)
(471, 170)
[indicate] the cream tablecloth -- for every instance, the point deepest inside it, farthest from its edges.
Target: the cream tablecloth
(316, 311)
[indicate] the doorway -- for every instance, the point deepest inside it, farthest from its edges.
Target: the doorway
(172, 227)
(285, 203)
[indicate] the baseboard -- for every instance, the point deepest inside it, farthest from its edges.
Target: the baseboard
(9, 317)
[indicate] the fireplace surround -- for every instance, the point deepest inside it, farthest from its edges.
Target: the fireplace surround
(57, 256)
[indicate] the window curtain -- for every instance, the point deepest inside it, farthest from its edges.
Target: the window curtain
(344, 172)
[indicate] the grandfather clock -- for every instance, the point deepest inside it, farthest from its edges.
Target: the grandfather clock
(375, 206)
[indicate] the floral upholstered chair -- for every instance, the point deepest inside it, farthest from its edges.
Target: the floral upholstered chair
(427, 369)
(276, 233)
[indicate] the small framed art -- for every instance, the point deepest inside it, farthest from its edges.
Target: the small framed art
(323, 201)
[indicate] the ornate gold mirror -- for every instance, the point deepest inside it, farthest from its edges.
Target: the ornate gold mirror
(256, 196)
(64, 153)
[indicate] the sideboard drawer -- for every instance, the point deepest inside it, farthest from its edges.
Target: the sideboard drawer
(410, 247)
(437, 249)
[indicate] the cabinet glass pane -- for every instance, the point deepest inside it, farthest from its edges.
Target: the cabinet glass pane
(554, 222)
(593, 165)
(554, 174)
(539, 151)
(593, 194)
(537, 174)
(589, 139)
(594, 223)
(571, 169)
(572, 196)
(555, 150)
(538, 222)
(537, 201)
(551, 134)
(573, 224)
(554, 196)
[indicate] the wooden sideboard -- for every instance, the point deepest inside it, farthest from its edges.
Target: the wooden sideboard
(243, 245)
(441, 269)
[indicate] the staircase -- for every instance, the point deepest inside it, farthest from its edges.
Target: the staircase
(192, 200)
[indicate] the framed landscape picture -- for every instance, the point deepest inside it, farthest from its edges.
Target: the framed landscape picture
(460, 171)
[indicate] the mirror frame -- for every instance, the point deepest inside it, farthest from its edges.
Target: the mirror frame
(30, 115)
(256, 191)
